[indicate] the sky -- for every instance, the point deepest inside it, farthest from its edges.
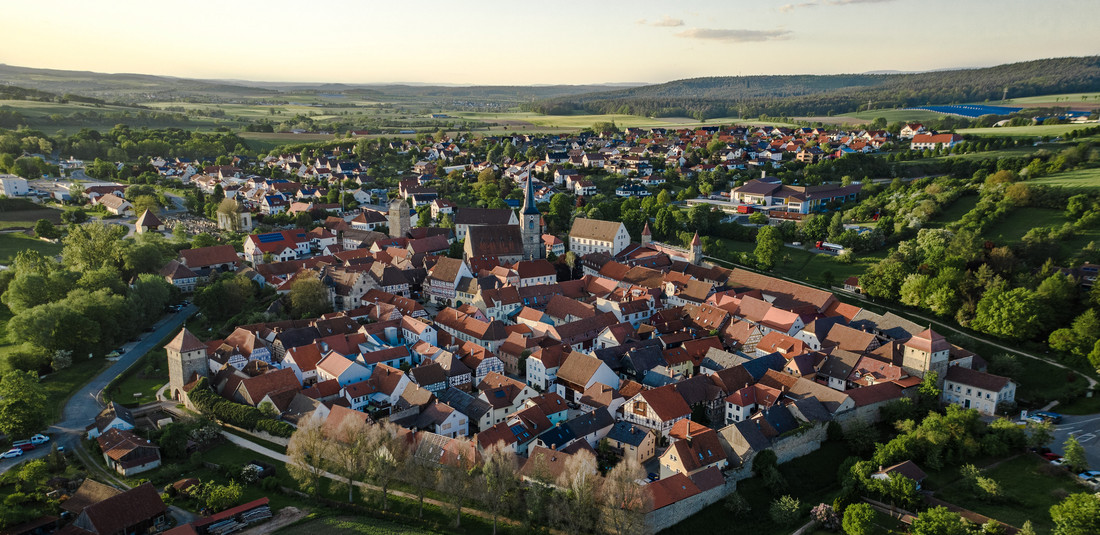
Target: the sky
(518, 42)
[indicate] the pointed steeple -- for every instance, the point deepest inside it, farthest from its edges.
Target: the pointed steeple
(696, 241)
(645, 231)
(529, 207)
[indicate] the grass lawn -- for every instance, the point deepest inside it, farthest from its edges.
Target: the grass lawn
(883, 525)
(621, 120)
(1012, 228)
(12, 243)
(1079, 179)
(811, 479)
(953, 212)
(801, 264)
(140, 385)
(263, 141)
(1064, 99)
(350, 526)
(1031, 487)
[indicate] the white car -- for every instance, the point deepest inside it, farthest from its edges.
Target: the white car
(1089, 474)
(39, 439)
(11, 454)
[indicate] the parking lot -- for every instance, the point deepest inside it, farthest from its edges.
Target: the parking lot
(1087, 429)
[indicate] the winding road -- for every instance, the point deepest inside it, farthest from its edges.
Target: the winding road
(84, 405)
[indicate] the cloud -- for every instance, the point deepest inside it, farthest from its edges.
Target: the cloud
(787, 8)
(734, 36)
(667, 22)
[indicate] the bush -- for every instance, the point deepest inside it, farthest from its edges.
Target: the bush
(737, 506)
(785, 511)
(275, 427)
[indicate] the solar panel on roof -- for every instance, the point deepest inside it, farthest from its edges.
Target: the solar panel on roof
(270, 238)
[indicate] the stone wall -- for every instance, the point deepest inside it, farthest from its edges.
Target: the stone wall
(675, 513)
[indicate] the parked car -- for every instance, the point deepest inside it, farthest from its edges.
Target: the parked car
(1051, 417)
(1089, 473)
(1036, 418)
(11, 454)
(1058, 462)
(39, 439)
(653, 476)
(26, 447)
(1051, 456)
(114, 354)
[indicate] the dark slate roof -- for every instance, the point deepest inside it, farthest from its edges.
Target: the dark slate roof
(473, 407)
(781, 419)
(759, 366)
(752, 435)
(557, 437)
(628, 433)
(813, 410)
(590, 422)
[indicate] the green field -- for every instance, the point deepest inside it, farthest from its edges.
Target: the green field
(13, 242)
(894, 115)
(265, 141)
(1012, 228)
(140, 384)
(1081, 178)
(1031, 487)
(1025, 131)
(1063, 99)
(585, 121)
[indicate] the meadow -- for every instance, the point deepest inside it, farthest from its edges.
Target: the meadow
(1080, 178)
(1025, 131)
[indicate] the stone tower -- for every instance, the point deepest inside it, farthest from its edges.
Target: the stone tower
(186, 360)
(926, 351)
(696, 250)
(531, 224)
(647, 236)
(399, 218)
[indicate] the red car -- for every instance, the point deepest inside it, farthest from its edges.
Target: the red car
(26, 447)
(1051, 456)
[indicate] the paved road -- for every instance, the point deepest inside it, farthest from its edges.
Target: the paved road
(1086, 429)
(85, 404)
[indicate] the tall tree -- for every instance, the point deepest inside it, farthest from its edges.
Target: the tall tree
(21, 400)
(386, 454)
(309, 297)
(769, 245)
(625, 502)
(499, 472)
(92, 246)
(1078, 514)
(581, 481)
(309, 450)
(1075, 454)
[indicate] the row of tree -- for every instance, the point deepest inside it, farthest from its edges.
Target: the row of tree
(579, 500)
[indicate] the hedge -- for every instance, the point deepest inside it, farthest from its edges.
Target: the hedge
(235, 413)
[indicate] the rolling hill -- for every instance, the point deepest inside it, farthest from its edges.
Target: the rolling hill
(750, 96)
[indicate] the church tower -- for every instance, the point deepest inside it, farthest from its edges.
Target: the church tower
(186, 362)
(531, 224)
(647, 235)
(398, 218)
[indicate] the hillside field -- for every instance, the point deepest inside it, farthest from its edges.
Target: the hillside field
(1081, 178)
(1026, 131)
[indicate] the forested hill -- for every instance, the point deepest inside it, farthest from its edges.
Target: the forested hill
(751, 96)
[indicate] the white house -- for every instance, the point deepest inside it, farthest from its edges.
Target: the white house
(977, 390)
(593, 235)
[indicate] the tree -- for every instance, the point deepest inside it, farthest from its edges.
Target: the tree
(785, 510)
(21, 400)
(580, 479)
(309, 297)
(859, 519)
(386, 454)
(92, 246)
(457, 483)
(1078, 514)
(1012, 314)
(142, 203)
(1039, 434)
(420, 474)
(74, 216)
(938, 521)
(350, 455)
(1026, 529)
(43, 228)
(500, 482)
(625, 502)
(758, 218)
(768, 246)
(62, 358)
(220, 497)
(229, 211)
(303, 220)
(308, 452)
(1074, 455)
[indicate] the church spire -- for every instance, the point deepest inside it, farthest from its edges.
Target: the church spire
(529, 207)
